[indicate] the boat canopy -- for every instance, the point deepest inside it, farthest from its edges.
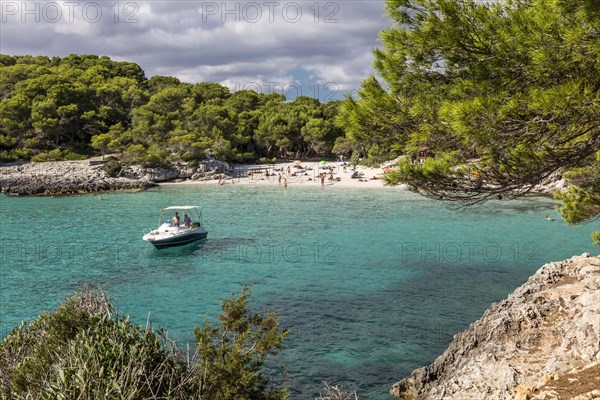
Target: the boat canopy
(180, 208)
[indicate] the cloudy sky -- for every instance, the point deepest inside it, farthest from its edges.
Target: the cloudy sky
(321, 49)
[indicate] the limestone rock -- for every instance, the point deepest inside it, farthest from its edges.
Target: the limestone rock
(62, 178)
(544, 329)
(72, 177)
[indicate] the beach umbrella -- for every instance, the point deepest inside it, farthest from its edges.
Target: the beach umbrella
(323, 162)
(297, 162)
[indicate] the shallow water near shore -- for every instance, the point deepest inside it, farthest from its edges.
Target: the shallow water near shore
(371, 283)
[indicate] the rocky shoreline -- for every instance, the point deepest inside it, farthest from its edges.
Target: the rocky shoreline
(87, 176)
(542, 342)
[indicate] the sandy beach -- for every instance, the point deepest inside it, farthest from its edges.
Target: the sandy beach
(299, 174)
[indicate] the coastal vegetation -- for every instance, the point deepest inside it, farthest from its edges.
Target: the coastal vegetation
(85, 350)
(81, 105)
(501, 96)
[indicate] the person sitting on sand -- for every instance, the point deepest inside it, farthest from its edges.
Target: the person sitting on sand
(187, 220)
(176, 219)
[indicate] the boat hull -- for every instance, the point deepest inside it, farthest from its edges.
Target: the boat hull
(177, 240)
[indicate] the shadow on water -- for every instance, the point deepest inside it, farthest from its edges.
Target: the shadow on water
(217, 246)
(188, 249)
(348, 339)
(204, 248)
(209, 248)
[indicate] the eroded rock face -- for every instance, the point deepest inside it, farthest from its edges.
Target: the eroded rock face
(548, 327)
(63, 177)
(72, 177)
(151, 174)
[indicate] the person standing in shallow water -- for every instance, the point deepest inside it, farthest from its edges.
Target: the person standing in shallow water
(279, 180)
(285, 183)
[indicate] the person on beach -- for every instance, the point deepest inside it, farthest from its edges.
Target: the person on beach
(289, 170)
(322, 179)
(279, 179)
(187, 221)
(176, 219)
(220, 181)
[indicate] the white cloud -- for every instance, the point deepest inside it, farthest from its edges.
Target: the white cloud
(232, 42)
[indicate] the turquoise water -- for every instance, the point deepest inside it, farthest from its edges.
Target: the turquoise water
(371, 283)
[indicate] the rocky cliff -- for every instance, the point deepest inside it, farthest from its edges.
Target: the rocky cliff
(62, 177)
(542, 342)
(72, 177)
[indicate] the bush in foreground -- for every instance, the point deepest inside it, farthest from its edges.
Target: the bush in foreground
(84, 350)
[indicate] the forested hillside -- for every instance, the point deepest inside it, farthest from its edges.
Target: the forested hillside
(81, 105)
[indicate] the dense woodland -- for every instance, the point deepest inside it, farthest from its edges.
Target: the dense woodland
(80, 105)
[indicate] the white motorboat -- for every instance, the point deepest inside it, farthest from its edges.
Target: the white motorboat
(171, 234)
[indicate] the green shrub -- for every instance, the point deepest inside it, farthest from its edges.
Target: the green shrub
(7, 156)
(72, 156)
(112, 167)
(596, 238)
(22, 153)
(83, 350)
(52, 155)
(57, 155)
(115, 359)
(267, 160)
(29, 351)
(233, 353)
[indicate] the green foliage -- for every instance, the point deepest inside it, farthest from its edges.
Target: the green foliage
(233, 353)
(112, 167)
(116, 359)
(57, 155)
(85, 103)
(27, 354)
(505, 93)
(596, 238)
(83, 350)
(581, 200)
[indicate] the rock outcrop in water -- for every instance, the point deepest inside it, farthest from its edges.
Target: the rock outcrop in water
(542, 342)
(61, 178)
(73, 177)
